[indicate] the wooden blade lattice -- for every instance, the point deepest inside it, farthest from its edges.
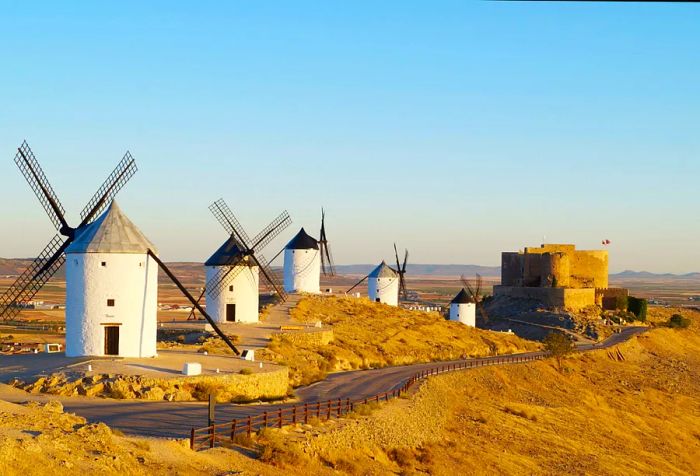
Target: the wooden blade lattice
(33, 278)
(124, 170)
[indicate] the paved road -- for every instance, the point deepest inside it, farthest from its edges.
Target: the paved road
(173, 419)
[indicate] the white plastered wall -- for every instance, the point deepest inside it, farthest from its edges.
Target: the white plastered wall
(131, 280)
(464, 313)
(386, 290)
(243, 291)
(302, 271)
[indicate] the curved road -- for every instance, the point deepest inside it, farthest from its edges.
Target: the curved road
(173, 419)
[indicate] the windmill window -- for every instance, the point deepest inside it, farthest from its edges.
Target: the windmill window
(110, 302)
(103, 264)
(230, 288)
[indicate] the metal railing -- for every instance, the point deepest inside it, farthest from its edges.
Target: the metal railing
(224, 434)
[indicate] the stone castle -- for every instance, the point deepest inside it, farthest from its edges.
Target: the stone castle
(557, 275)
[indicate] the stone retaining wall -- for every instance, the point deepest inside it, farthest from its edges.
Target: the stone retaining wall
(320, 337)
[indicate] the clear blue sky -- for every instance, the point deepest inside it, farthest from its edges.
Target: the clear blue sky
(458, 129)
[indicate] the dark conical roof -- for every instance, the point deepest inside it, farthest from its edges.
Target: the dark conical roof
(462, 297)
(227, 254)
(302, 242)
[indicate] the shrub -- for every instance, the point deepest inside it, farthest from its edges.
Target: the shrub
(628, 316)
(678, 322)
(277, 451)
(245, 371)
(363, 409)
(404, 457)
(638, 306)
(242, 439)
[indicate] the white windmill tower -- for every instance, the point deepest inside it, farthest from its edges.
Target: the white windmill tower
(233, 271)
(302, 264)
(383, 285)
(386, 283)
(463, 309)
(111, 289)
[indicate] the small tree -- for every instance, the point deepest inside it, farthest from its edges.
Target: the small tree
(559, 346)
(638, 306)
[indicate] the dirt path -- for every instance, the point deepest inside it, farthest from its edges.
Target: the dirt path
(252, 336)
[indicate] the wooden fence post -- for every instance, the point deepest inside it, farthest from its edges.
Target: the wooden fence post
(233, 429)
(192, 439)
(279, 425)
(265, 418)
(250, 426)
(294, 415)
(306, 413)
(328, 416)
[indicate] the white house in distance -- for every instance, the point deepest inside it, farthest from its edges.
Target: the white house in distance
(111, 290)
(302, 264)
(383, 285)
(463, 309)
(238, 300)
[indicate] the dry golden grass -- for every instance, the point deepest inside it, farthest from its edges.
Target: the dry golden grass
(640, 415)
(371, 335)
(44, 440)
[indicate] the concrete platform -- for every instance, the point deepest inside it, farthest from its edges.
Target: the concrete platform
(168, 364)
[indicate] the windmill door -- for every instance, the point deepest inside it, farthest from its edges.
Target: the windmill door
(111, 340)
(230, 313)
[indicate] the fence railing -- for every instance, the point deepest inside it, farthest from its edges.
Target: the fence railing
(224, 434)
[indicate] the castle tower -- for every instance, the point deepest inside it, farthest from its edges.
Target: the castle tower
(111, 290)
(383, 285)
(463, 309)
(302, 264)
(239, 298)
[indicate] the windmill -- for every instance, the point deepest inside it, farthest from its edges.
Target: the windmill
(385, 283)
(475, 293)
(401, 269)
(52, 257)
(326, 261)
(238, 254)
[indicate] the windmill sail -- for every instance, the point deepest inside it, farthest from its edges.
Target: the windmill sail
(327, 266)
(33, 278)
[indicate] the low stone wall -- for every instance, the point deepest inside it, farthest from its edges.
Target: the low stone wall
(228, 387)
(565, 298)
(320, 337)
